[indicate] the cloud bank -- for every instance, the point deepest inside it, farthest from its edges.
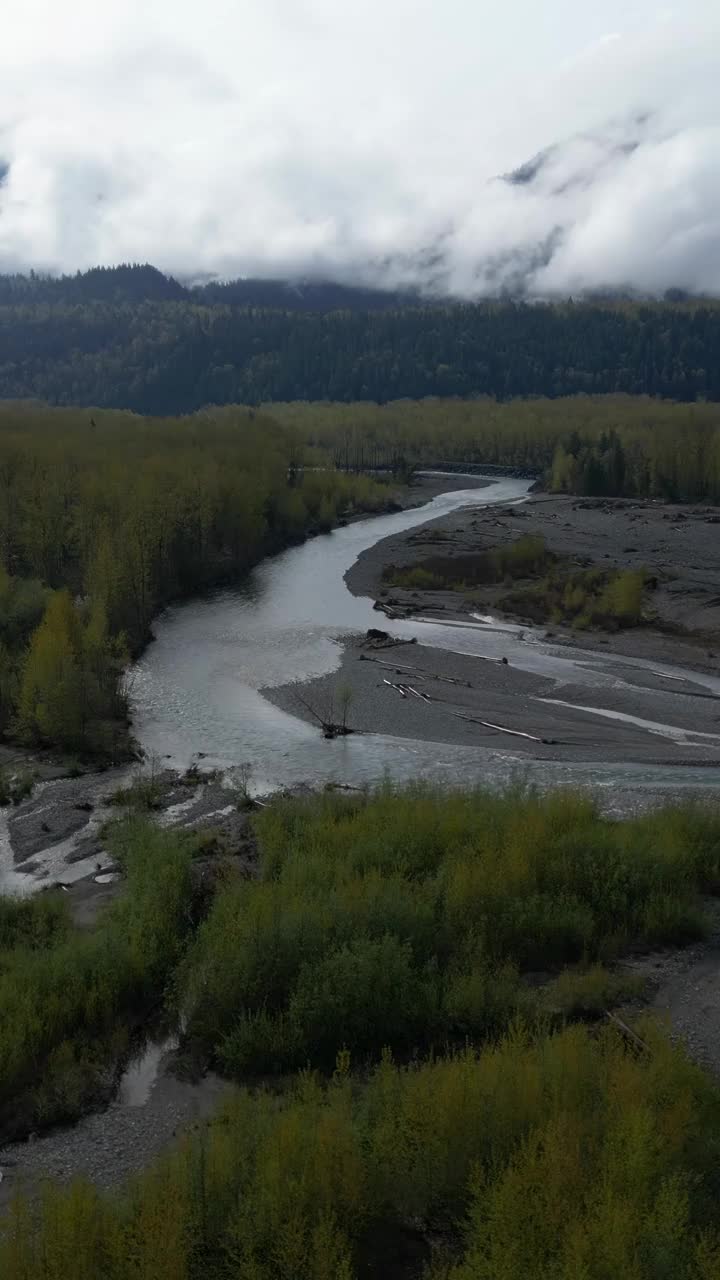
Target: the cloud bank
(466, 146)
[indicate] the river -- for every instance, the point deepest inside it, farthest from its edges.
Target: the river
(196, 690)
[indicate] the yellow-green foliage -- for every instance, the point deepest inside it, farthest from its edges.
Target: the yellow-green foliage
(525, 557)
(126, 513)
(610, 599)
(584, 444)
(408, 918)
(70, 688)
(60, 987)
(565, 1156)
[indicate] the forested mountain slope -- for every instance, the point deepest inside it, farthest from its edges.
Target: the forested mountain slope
(132, 338)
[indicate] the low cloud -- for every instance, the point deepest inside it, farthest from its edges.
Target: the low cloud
(447, 147)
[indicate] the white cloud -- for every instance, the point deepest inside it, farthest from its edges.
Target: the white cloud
(330, 136)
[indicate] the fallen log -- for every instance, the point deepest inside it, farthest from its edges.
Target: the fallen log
(499, 728)
(404, 689)
(424, 697)
(420, 673)
(397, 687)
(392, 666)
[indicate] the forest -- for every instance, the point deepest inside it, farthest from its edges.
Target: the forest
(132, 338)
(104, 518)
(613, 445)
(411, 996)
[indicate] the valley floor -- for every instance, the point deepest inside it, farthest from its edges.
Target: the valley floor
(648, 695)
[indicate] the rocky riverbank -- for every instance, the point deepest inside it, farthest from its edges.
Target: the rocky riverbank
(647, 695)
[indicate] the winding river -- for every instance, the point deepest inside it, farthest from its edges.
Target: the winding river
(196, 691)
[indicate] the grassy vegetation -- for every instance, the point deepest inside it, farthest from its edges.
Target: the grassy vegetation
(609, 600)
(559, 592)
(67, 997)
(526, 557)
(411, 919)
(556, 1157)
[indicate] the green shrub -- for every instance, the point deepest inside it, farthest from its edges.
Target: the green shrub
(409, 918)
(588, 993)
(564, 1156)
(524, 558)
(62, 990)
(582, 598)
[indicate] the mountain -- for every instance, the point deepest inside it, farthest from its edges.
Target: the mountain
(137, 283)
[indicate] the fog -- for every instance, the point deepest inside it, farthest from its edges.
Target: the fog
(374, 142)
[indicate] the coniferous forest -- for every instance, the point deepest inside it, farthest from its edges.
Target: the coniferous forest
(132, 338)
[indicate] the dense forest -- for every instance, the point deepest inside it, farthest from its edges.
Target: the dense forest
(621, 445)
(104, 518)
(132, 338)
(425, 975)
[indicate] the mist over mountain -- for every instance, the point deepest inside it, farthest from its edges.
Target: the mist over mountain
(302, 140)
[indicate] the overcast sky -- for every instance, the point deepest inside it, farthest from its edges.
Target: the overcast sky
(347, 138)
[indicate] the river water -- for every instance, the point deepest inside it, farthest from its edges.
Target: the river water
(196, 689)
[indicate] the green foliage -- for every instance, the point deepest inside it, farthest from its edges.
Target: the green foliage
(70, 688)
(143, 794)
(524, 558)
(408, 919)
(587, 993)
(607, 599)
(416, 577)
(591, 444)
(119, 515)
(33, 923)
(147, 343)
(405, 919)
(563, 1156)
(63, 993)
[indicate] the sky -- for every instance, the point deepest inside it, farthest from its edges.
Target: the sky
(366, 141)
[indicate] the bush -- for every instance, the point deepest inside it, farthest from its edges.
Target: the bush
(409, 919)
(608, 599)
(524, 558)
(562, 1156)
(587, 993)
(63, 993)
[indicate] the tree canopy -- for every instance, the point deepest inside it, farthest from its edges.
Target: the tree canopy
(129, 337)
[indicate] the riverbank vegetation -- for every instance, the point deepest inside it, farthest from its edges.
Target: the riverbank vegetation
(105, 518)
(545, 587)
(427, 953)
(586, 444)
(565, 1155)
(605, 599)
(68, 997)
(409, 921)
